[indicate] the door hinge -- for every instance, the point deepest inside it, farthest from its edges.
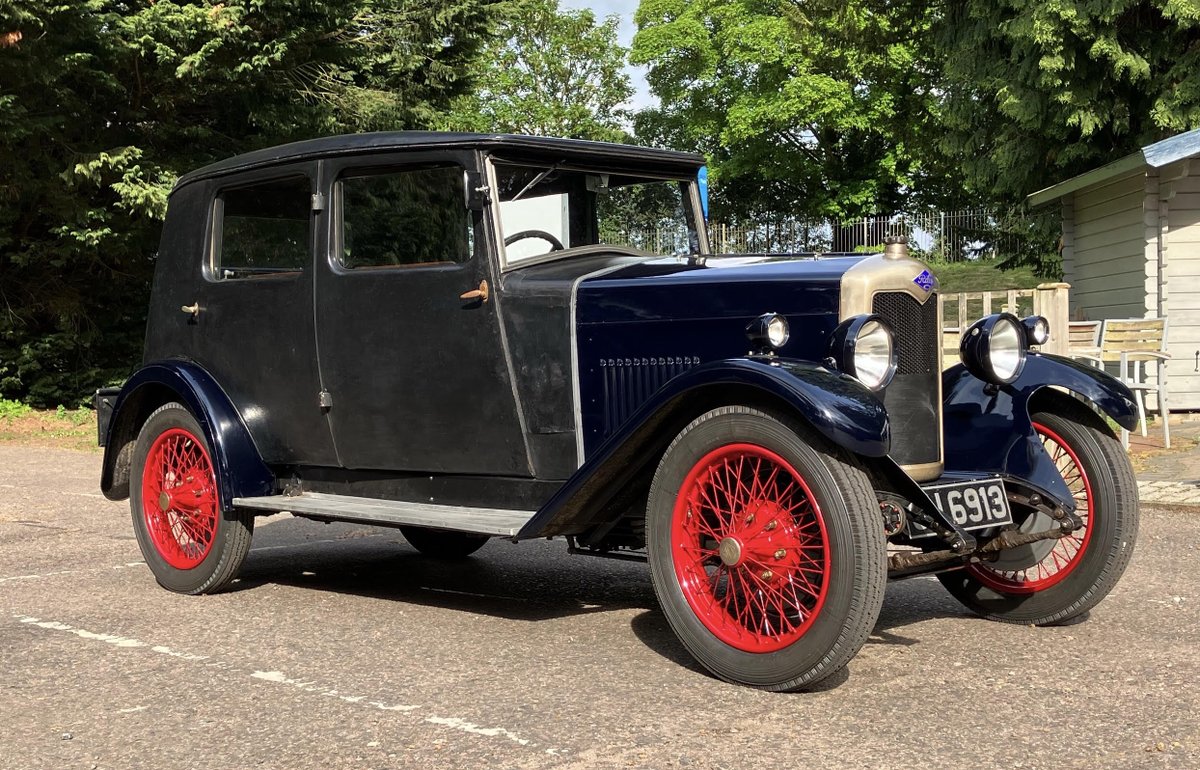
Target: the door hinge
(325, 400)
(318, 201)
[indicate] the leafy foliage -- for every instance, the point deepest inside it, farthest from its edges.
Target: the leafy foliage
(816, 109)
(103, 103)
(549, 72)
(1036, 92)
(806, 107)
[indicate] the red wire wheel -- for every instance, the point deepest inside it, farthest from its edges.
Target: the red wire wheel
(1067, 551)
(750, 549)
(179, 498)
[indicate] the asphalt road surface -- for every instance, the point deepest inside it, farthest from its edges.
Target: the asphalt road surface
(343, 648)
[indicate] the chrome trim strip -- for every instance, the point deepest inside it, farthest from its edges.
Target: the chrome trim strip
(575, 397)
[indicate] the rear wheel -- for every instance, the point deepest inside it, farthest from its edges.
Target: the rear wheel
(1054, 581)
(765, 548)
(443, 544)
(190, 545)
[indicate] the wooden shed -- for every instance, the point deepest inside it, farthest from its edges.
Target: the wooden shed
(1131, 248)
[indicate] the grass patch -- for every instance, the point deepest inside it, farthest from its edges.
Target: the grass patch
(59, 428)
(982, 275)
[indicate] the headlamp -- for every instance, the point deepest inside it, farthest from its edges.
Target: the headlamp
(864, 347)
(994, 348)
(768, 333)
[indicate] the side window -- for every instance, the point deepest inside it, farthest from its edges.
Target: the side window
(405, 218)
(263, 229)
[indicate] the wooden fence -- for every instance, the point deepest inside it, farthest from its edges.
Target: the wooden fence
(959, 311)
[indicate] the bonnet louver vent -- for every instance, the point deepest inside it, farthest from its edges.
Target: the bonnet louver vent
(629, 382)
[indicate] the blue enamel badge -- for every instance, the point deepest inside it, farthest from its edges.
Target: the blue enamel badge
(924, 280)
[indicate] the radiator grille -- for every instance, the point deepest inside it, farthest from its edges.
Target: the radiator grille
(913, 397)
(629, 382)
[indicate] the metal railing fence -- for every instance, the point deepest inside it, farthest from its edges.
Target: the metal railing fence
(943, 236)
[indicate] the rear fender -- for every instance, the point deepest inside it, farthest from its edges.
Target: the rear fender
(988, 428)
(239, 468)
(835, 405)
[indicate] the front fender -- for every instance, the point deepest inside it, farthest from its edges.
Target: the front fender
(988, 428)
(837, 406)
(239, 468)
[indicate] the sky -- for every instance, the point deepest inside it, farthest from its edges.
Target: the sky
(625, 9)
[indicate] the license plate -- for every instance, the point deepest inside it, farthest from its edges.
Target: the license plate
(973, 504)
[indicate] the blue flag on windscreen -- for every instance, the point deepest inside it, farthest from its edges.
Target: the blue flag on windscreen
(702, 183)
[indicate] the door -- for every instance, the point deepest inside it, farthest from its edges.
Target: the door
(251, 288)
(417, 376)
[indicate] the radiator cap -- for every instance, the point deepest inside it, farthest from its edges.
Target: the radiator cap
(895, 247)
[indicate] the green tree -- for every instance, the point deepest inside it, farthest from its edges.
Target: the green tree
(804, 107)
(103, 103)
(1034, 92)
(549, 72)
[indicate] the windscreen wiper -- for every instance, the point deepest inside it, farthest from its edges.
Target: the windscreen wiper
(537, 180)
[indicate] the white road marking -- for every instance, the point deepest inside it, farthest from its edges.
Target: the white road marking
(56, 573)
(35, 577)
(174, 654)
(278, 677)
(467, 727)
(133, 710)
(54, 625)
(86, 494)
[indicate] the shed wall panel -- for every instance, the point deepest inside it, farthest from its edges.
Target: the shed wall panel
(1107, 269)
(1183, 291)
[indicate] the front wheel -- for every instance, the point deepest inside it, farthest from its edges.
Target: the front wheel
(190, 545)
(1054, 581)
(766, 551)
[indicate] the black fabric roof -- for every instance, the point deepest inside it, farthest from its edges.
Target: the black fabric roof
(623, 155)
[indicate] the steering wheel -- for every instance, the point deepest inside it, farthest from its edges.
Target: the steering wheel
(555, 244)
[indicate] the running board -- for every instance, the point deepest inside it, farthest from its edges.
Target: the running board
(391, 513)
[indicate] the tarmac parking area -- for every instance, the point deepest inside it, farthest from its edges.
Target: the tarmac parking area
(341, 647)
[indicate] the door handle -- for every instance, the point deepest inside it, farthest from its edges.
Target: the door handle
(193, 309)
(480, 294)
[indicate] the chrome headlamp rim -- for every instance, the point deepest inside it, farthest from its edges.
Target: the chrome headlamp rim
(987, 341)
(844, 344)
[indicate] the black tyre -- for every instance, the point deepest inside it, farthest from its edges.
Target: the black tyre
(191, 546)
(766, 549)
(443, 544)
(1055, 581)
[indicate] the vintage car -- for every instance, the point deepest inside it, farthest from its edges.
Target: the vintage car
(465, 336)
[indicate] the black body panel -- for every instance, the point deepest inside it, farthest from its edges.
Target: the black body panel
(255, 336)
(525, 147)
(419, 378)
(483, 491)
(537, 314)
(641, 325)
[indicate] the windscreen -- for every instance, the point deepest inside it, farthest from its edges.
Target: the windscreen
(546, 209)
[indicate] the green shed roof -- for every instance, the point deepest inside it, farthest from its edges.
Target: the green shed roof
(1157, 155)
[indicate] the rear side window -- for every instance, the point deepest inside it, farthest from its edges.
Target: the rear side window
(407, 218)
(263, 229)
